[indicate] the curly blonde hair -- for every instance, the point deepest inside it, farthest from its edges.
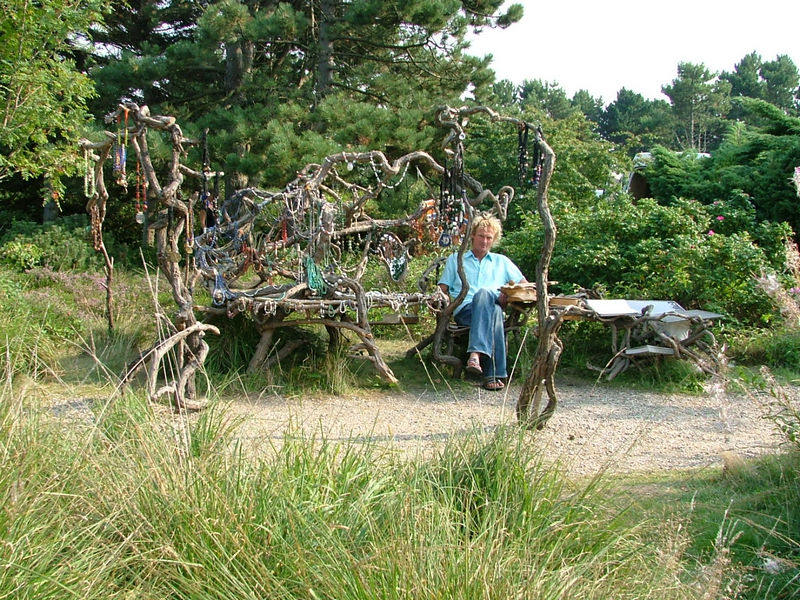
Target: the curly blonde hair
(493, 224)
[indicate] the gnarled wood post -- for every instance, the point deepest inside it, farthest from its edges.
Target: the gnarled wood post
(548, 348)
(170, 220)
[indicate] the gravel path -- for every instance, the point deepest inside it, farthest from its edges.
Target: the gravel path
(593, 427)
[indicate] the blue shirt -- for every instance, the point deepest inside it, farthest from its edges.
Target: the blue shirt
(493, 272)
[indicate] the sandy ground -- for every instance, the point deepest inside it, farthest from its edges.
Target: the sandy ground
(594, 426)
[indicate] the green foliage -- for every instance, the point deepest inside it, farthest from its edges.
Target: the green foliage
(27, 346)
(21, 255)
(55, 323)
(775, 81)
(778, 347)
(139, 506)
(699, 101)
(677, 175)
(782, 408)
(754, 507)
(585, 162)
(230, 352)
(43, 94)
(62, 245)
(649, 251)
(635, 124)
(284, 85)
(754, 162)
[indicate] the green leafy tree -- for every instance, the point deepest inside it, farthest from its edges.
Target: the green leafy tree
(279, 83)
(773, 81)
(585, 162)
(589, 105)
(781, 80)
(745, 79)
(699, 103)
(637, 124)
(42, 94)
(546, 96)
(502, 94)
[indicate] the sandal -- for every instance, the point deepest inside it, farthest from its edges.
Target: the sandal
(474, 366)
(493, 385)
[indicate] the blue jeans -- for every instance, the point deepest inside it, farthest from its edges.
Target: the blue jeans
(485, 318)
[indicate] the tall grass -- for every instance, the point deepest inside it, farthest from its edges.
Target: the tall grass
(126, 499)
(136, 502)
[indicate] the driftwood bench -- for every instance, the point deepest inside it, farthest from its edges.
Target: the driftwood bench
(297, 255)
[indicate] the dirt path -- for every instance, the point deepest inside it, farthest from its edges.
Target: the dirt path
(594, 425)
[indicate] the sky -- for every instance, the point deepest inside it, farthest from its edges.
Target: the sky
(605, 46)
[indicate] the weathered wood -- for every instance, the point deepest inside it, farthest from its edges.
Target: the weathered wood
(295, 235)
(541, 377)
(171, 215)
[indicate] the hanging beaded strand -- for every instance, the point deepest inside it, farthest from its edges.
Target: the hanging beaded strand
(538, 158)
(451, 202)
(190, 224)
(121, 149)
(522, 150)
(141, 194)
(89, 183)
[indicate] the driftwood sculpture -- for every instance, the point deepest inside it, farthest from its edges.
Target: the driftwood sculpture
(549, 320)
(280, 255)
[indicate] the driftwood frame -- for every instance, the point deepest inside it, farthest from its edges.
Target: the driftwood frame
(244, 240)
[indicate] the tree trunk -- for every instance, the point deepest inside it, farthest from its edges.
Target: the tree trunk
(324, 51)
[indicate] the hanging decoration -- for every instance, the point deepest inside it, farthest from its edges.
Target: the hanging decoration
(141, 194)
(538, 159)
(89, 177)
(190, 225)
(121, 149)
(314, 279)
(453, 195)
(529, 171)
(208, 197)
(394, 254)
(522, 153)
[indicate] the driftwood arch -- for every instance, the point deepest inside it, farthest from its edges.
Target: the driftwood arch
(268, 253)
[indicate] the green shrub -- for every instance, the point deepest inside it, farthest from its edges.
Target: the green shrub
(62, 245)
(644, 250)
(21, 255)
(778, 347)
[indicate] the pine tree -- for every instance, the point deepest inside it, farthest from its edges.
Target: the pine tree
(699, 102)
(281, 83)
